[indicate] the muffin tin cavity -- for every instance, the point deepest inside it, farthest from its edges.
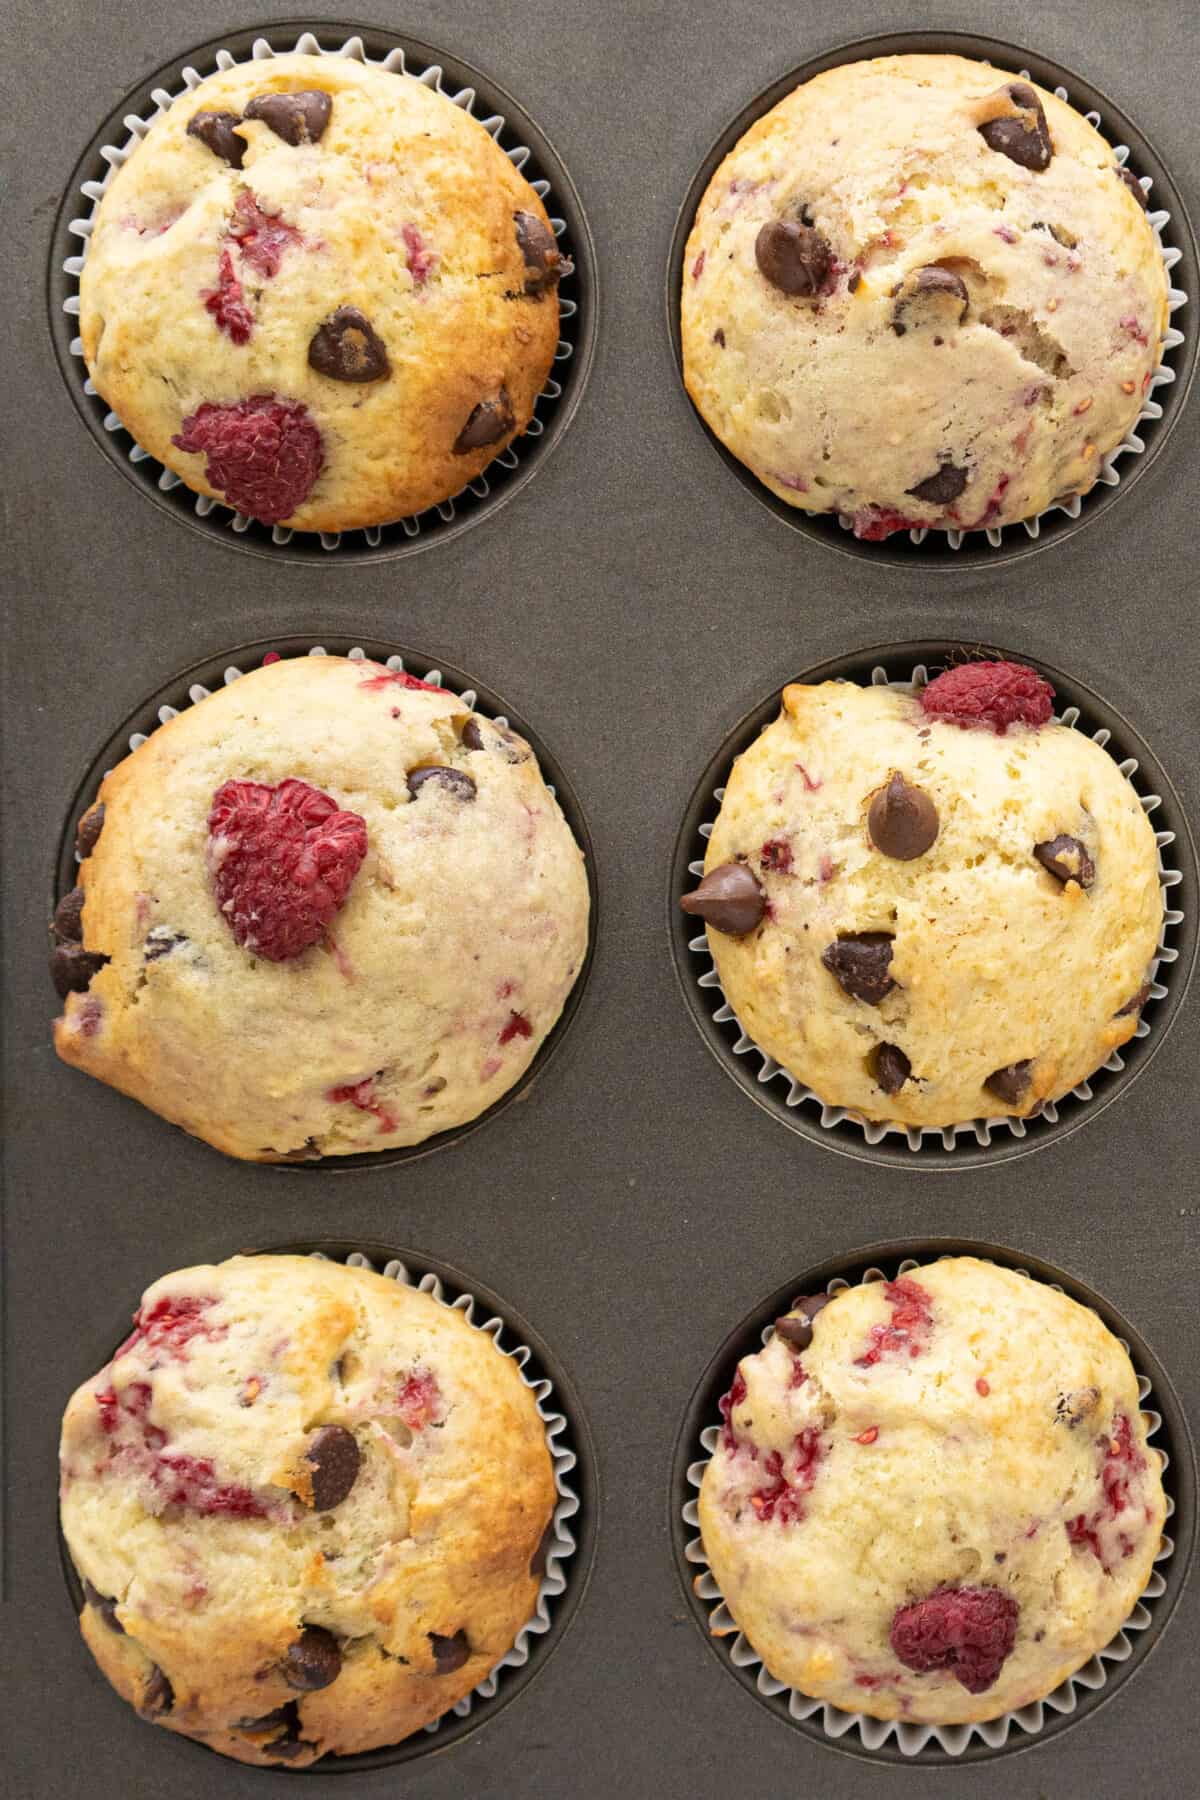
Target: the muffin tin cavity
(877, 1740)
(570, 1553)
(980, 1139)
(194, 684)
(527, 148)
(1171, 382)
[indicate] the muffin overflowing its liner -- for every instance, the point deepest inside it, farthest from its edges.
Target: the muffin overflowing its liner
(116, 154)
(980, 1130)
(911, 1739)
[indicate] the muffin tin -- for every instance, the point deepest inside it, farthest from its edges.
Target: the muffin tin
(641, 609)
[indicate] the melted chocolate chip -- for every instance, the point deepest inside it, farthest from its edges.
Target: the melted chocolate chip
(1010, 1083)
(87, 834)
(68, 917)
(902, 820)
(941, 488)
(333, 1457)
(267, 1722)
(1071, 1409)
(346, 347)
(487, 424)
(215, 131)
(450, 1653)
(931, 297)
(729, 899)
(102, 1604)
(313, 1661)
(792, 257)
(296, 118)
(859, 962)
(472, 737)
(1135, 187)
(1066, 859)
(544, 264)
(539, 1560)
(1136, 1004)
(1023, 135)
(891, 1068)
(72, 968)
(160, 940)
(158, 1696)
(460, 785)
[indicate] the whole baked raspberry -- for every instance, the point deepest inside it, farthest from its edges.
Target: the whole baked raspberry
(263, 454)
(282, 860)
(998, 694)
(967, 1631)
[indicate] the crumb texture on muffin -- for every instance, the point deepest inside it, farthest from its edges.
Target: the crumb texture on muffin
(955, 919)
(919, 291)
(326, 910)
(319, 291)
(306, 1504)
(932, 1498)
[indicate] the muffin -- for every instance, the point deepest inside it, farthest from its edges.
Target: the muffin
(932, 1498)
(310, 1508)
(320, 292)
(932, 906)
(922, 292)
(327, 910)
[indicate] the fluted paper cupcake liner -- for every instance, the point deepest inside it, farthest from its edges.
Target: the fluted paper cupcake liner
(911, 1739)
(980, 1131)
(137, 127)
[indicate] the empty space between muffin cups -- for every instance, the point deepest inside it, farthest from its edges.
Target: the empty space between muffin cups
(563, 1544)
(981, 1132)
(910, 1740)
(507, 470)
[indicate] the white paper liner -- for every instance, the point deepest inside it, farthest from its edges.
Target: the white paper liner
(137, 127)
(979, 1130)
(1131, 444)
(564, 1545)
(198, 692)
(911, 1739)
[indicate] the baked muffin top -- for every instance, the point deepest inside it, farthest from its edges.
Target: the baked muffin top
(932, 1498)
(921, 291)
(326, 910)
(306, 1503)
(319, 291)
(922, 916)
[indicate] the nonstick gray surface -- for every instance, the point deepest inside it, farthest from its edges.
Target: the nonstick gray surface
(633, 602)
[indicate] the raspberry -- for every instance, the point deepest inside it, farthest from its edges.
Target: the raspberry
(362, 1094)
(170, 1324)
(997, 694)
(420, 258)
(968, 1631)
(726, 1404)
(420, 1399)
(1120, 1460)
(227, 304)
(776, 856)
(782, 1498)
(191, 1481)
(909, 1328)
(282, 860)
(874, 523)
(261, 237)
(518, 1026)
(263, 454)
(397, 678)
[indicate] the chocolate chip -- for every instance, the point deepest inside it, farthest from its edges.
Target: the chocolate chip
(1059, 233)
(267, 1722)
(472, 737)
(313, 1661)
(334, 1458)
(1071, 1409)
(1066, 859)
(72, 968)
(891, 1067)
(1010, 1083)
(87, 834)
(796, 1327)
(544, 263)
(68, 917)
(158, 1696)
(104, 1606)
(810, 1304)
(941, 488)
(541, 1556)
(1023, 136)
(718, 337)
(929, 297)
(160, 940)
(487, 424)
(287, 1749)
(1136, 1004)
(792, 257)
(216, 132)
(450, 1653)
(902, 820)
(296, 118)
(729, 899)
(346, 347)
(460, 785)
(860, 963)
(1135, 187)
